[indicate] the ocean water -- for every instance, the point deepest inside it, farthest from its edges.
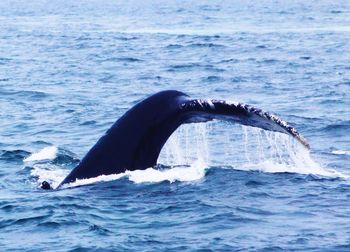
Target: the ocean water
(69, 69)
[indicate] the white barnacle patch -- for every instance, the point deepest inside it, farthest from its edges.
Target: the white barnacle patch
(211, 104)
(247, 107)
(234, 103)
(199, 102)
(284, 123)
(274, 118)
(267, 115)
(192, 104)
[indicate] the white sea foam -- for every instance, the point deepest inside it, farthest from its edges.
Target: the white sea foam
(47, 153)
(50, 173)
(341, 152)
(182, 173)
(101, 178)
(195, 171)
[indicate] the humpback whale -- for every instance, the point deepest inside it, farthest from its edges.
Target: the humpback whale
(135, 140)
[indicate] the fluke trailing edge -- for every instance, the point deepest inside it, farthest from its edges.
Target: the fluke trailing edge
(136, 139)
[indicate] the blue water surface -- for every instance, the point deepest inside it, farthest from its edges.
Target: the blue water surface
(69, 69)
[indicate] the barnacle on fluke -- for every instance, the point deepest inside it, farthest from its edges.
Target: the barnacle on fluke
(244, 114)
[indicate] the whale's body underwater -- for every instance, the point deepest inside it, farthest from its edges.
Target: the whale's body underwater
(136, 139)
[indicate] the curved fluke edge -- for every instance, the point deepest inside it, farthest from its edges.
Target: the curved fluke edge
(135, 140)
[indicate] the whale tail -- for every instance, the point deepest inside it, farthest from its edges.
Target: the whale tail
(136, 139)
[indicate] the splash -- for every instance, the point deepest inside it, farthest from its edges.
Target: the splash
(42, 167)
(47, 172)
(186, 146)
(194, 148)
(101, 178)
(276, 152)
(194, 172)
(47, 153)
(241, 148)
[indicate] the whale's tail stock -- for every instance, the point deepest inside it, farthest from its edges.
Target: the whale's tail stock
(135, 140)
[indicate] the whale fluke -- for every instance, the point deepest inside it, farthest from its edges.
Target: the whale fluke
(135, 140)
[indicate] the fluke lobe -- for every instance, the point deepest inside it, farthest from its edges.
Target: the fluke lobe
(135, 140)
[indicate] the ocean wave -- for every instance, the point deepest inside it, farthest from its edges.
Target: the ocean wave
(209, 45)
(25, 93)
(336, 129)
(341, 152)
(243, 29)
(13, 155)
(124, 59)
(174, 46)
